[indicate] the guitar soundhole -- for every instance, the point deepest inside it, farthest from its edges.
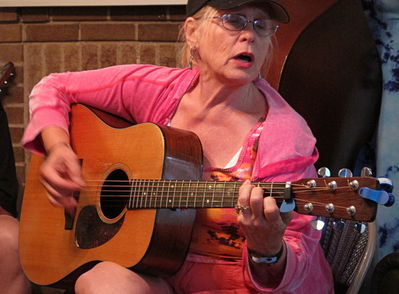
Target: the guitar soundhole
(114, 193)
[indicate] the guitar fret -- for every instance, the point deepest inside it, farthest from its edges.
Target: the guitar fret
(137, 198)
(167, 196)
(131, 194)
(158, 198)
(196, 193)
(135, 195)
(188, 193)
(147, 193)
(213, 196)
(151, 194)
(181, 193)
(234, 193)
(203, 196)
(223, 193)
(173, 204)
(143, 193)
(172, 197)
(161, 194)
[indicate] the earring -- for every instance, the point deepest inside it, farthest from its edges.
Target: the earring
(259, 76)
(193, 51)
(190, 63)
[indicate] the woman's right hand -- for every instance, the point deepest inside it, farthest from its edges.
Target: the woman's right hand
(61, 176)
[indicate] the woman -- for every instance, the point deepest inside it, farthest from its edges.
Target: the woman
(247, 131)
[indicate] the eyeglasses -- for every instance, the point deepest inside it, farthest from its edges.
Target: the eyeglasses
(236, 22)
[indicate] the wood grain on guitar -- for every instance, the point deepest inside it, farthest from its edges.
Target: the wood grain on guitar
(139, 204)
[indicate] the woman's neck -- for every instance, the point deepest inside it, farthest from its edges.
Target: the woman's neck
(211, 92)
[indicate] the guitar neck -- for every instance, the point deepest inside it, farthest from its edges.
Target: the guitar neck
(193, 194)
(328, 197)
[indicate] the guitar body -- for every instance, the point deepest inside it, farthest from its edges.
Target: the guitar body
(55, 248)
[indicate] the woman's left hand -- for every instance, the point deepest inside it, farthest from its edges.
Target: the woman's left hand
(261, 220)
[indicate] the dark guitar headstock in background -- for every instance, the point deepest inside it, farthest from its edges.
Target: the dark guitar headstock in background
(7, 72)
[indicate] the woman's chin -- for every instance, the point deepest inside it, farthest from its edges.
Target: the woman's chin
(241, 79)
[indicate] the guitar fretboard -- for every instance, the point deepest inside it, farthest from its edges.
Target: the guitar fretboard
(141, 194)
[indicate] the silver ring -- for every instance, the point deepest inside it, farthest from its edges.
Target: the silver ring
(241, 208)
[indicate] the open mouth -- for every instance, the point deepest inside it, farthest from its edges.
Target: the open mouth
(244, 57)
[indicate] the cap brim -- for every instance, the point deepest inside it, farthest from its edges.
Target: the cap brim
(276, 10)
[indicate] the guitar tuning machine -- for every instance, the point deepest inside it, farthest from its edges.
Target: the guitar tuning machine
(308, 207)
(324, 172)
(333, 185)
(339, 224)
(382, 196)
(318, 224)
(354, 185)
(345, 173)
(351, 210)
(330, 208)
(366, 172)
(311, 184)
(360, 227)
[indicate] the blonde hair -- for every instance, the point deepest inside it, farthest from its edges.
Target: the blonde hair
(201, 16)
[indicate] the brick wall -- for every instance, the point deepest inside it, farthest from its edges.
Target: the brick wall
(43, 40)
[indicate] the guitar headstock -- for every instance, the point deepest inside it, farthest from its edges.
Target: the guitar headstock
(7, 72)
(336, 197)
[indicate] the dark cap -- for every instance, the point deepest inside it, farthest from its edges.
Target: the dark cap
(276, 10)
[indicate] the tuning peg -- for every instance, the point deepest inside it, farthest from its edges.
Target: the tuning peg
(318, 224)
(360, 227)
(324, 172)
(345, 173)
(366, 172)
(386, 184)
(378, 196)
(339, 224)
(391, 200)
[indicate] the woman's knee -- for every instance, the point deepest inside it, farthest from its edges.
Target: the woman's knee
(8, 237)
(104, 274)
(108, 277)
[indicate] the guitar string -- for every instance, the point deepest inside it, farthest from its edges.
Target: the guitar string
(138, 186)
(210, 204)
(317, 205)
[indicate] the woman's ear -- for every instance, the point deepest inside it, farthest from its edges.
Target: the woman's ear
(190, 31)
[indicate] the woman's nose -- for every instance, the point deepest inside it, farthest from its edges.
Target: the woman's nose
(248, 33)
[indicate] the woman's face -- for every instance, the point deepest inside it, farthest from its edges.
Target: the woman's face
(233, 57)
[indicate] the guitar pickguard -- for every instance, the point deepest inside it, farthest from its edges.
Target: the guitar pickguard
(91, 231)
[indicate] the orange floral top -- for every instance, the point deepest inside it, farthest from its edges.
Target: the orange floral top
(216, 233)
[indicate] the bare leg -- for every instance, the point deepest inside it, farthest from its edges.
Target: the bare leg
(108, 277)
(12, 278)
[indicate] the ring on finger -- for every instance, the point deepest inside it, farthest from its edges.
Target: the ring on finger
(241, 208)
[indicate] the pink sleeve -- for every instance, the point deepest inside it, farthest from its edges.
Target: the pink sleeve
(306, 267)
(133, 92)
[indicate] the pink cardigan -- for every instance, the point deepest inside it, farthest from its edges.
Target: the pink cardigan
(147, 93)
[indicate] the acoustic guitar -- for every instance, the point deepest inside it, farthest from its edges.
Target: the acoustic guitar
(143, 188)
